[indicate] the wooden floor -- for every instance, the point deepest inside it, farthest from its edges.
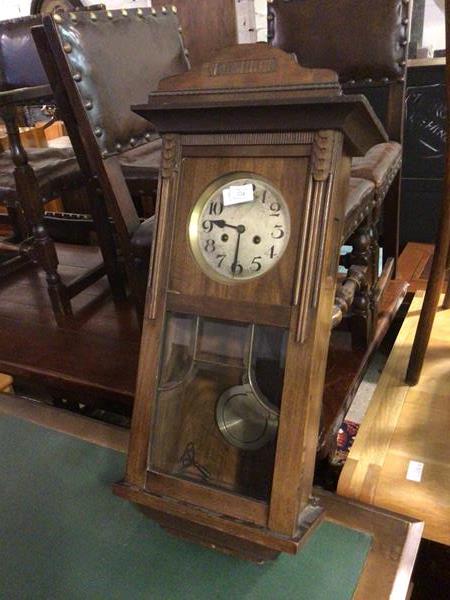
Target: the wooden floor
(95, 356)
(405, 424)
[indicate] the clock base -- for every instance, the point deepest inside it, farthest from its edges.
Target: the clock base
(213, 539)
(228, 536)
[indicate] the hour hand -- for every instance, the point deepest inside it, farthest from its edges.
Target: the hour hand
(221, 224)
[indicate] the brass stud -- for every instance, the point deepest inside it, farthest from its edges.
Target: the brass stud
(98, 131)
(164, 10)
(186, 52)
(105, 153)
(118, 147)
(269, 1)
(67, 48)
(73, 17)
(140, 12)
(405, 21)
(369, 80)
(174, 9)
(132, 142)
(404, 42)
(77, 77)
(88, 105)
(385, 80)
(180, 30)
(109, 14)
(402, 63)
(57, 18)
(148, 136)
(153, 11)
(93, 16)
(270, 17)
(124, 12)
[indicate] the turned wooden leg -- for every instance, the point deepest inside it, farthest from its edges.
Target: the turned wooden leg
(18, 223)
(362, 310)
(43, 247)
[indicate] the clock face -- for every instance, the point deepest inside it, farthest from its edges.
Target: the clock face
(239, 228)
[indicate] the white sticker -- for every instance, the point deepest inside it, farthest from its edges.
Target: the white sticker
(236, 194)
(414, 471)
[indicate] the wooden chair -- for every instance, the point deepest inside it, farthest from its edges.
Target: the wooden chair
(98, 65)
(29, 178)
(322, 33)
(441, 258)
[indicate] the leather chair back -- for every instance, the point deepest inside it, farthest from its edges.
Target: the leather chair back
(115, 59)
(364, 41)
(99, 64)
(20, 65)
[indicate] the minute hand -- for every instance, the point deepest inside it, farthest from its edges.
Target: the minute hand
(240, 230)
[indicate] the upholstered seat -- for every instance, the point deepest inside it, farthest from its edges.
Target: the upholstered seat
(358, 203)
(55, 168)
(380, 165)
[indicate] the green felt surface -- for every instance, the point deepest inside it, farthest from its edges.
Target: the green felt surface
(63, 534)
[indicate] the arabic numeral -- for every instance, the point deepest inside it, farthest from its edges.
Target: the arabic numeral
(275, 208)
(216, 208)
(272, 252)
(210, 245)
(236, 268)
(221, 258)
(278, 232)
(255, 265)
(207, 226)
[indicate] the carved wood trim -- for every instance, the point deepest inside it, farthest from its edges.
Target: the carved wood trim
(171, 156)
(245, 139)
(311, 250)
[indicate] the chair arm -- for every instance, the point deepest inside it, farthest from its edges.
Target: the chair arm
(23, 96)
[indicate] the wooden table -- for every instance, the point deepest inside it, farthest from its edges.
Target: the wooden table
(390, 541)
(407, 425)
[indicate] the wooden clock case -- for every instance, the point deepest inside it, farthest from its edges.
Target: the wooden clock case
(251, 109)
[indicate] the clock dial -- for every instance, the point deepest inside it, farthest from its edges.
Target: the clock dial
(239, 228)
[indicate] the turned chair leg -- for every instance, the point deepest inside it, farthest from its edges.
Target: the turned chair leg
(43, 246)
(362, 319)
(18, 223)
(44, 249)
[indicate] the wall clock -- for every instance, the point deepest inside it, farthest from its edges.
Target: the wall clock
(256, 163)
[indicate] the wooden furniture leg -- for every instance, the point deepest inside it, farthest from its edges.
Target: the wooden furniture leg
(362, 317)
(105, 237)
(441, 252)
(28, 189)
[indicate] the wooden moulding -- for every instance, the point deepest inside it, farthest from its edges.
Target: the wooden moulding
(219, 531)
